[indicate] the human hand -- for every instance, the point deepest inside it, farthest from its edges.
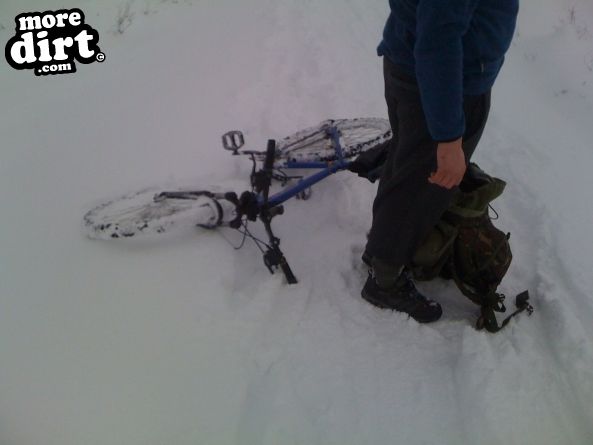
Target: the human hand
(450, 164)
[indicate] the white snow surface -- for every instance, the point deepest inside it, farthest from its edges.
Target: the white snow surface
(183, 340)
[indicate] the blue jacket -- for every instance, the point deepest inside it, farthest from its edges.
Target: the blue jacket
(453, 47)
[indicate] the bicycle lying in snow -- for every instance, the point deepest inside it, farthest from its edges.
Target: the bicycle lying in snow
(326, 148)
(463, 246)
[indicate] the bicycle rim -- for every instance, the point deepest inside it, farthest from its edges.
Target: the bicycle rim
(313, 144)
(138, 214)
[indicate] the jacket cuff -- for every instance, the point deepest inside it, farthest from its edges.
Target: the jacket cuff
(446, 140)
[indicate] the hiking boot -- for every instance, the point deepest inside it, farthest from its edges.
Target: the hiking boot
(402, 297)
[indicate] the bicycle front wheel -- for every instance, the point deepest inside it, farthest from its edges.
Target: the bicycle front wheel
(314, 144)
(152, 212)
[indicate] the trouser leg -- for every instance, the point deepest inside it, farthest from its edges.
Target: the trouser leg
(407, 206)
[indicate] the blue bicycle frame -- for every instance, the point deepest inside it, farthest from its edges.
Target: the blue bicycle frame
(266, 207)
(327, 168)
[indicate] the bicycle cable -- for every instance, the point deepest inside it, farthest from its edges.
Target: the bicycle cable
(229, 242)
(258, 242)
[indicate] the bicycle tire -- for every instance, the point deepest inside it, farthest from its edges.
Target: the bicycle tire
(314, 144)
(140, 213)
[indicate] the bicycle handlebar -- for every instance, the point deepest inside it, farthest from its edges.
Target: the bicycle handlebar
(270, 155)
(266, 176)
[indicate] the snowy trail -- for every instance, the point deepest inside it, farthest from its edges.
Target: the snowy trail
(184, 340)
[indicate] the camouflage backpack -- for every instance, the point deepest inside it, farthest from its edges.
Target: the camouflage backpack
(466, 247)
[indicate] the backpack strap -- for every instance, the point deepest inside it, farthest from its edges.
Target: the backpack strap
(488, 320)
(490, 303)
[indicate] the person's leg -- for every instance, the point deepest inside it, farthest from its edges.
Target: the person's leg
(389, 285)
(395, 209)
(391, 101)
(477, 109)
(407, 206)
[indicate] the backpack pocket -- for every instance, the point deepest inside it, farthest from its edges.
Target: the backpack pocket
(434, 252)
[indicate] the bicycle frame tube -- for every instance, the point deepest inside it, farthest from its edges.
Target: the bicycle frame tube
(327, 168)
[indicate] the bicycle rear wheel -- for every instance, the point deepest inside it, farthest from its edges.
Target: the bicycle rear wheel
(151, 211)
(314, 144)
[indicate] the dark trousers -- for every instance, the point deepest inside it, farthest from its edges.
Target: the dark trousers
(407, 206)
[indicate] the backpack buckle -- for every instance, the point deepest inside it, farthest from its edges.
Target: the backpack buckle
(499, 305)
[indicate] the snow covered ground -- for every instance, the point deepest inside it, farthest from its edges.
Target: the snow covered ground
(184, 340)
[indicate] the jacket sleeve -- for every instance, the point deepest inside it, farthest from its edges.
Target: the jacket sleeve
(438, 54)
